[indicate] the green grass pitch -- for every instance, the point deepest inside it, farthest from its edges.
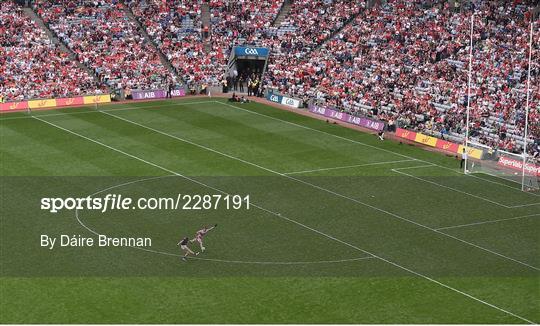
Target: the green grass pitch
(343, 228)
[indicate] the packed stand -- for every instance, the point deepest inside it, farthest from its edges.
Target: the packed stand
(31, 66)
(499, 83)
(309, 24)
(313, 21)
(305, 27)
(236, 22)
(376, 61)
(241, 21)
(103, 38)
(175, 27)
(407, 62)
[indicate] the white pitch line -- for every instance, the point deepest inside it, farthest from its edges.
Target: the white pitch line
(270, 117)
(356, 142)
(324, 189)
(398, 170)
(415, 167)
(195, 181)
(473, 176)
(450, 188)
(486, 222)
(200, 258)
(524, 205)
(348, 166)
(284, 262)
(500, 183)
(303, 225)
(319, 187)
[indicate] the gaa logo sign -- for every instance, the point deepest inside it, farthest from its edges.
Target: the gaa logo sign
(274, 98)
(289, 101)
(251, 51)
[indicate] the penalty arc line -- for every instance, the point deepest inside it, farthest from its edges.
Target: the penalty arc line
(239, 261)
(307, 227)
(322, 189)
(200, 258)
(298, 223)
(195, 181)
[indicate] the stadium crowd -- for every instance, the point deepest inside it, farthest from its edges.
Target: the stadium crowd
(175, 27)
(408, 61)
(306, 26)
(31, 66)
(404, 61)
(104, 38)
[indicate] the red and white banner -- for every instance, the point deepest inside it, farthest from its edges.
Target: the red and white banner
(438, 143)
(517, 165)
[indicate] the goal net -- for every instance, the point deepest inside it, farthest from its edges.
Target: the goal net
(525, 173)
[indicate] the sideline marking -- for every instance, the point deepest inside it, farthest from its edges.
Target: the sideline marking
(303, 225)
(324, 189)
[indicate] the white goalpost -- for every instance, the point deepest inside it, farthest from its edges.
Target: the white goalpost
(525, 135)
(467, 123)
(521, 168)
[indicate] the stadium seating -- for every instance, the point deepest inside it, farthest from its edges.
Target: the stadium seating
(175, 27)
(106, 40)
(31, 66)
(405, 60)
(408, 62)
(240, 22)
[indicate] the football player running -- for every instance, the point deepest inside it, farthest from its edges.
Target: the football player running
(184, 246)
(200, 235)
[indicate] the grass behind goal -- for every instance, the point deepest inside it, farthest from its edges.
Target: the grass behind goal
(348, 230)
